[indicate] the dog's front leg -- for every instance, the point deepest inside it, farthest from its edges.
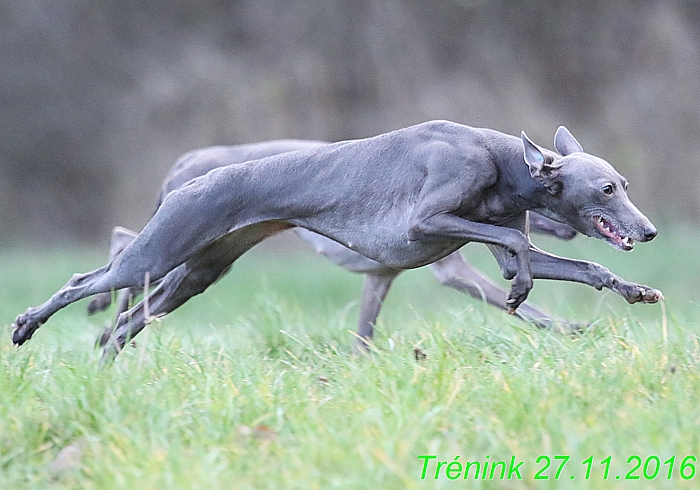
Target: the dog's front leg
(546, 226)
(452, 271)
(512, 241)
(548, 266)
(374, 291)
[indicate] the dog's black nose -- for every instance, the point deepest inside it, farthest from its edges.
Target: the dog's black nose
(649, 233)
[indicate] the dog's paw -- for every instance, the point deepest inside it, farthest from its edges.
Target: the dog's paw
(104, 337)
(99, 302)
(519, 290)
(23, 328)
(638, 293)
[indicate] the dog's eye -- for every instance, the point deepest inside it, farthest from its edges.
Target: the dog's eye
(608, 189)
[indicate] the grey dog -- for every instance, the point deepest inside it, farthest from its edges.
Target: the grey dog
(451, 271)
(404, 199)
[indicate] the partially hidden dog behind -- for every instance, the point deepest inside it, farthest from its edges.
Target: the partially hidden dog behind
(404, 199)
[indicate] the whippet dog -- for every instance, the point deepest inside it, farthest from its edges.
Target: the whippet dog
(405, 199)
(451, 271)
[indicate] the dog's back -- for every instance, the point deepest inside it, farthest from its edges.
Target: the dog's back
(199, 162)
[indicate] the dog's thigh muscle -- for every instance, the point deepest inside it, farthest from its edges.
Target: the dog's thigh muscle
(121, 238)
(188, 280)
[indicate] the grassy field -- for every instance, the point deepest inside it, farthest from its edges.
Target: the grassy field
(251, 385)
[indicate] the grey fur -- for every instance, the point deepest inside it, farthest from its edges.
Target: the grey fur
(405, 199)
(450, 271)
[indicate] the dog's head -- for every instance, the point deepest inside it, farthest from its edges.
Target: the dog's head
(586, 193)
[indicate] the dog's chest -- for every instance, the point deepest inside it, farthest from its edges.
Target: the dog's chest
(491, 209)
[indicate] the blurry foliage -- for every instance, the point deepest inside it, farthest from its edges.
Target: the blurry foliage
(99, 98)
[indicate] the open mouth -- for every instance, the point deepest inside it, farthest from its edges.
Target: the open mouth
(612, 235)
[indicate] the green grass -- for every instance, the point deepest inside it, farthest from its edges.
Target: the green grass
(251, 385)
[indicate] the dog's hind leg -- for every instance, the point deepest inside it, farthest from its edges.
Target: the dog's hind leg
(120, 239)
(185, 225)
(131, 271)
(80, 286)
(185, 281)
(178, 286)
(147, 255)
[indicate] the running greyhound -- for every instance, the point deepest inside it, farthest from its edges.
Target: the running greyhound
(404, 199)
(451, 271)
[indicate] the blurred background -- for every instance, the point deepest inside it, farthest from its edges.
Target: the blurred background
(99, 98)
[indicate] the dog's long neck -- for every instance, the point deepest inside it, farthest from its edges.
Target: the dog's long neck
(526, 192)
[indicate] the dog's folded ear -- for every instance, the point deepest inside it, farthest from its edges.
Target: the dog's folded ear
(541, 165)
(565, 143)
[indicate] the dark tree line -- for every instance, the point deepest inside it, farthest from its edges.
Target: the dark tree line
(99, 98)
